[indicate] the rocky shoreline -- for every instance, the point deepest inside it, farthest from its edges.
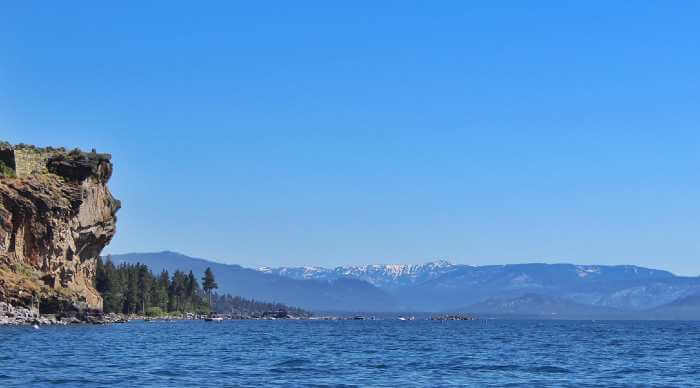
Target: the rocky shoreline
(11, 315)
(17, 316)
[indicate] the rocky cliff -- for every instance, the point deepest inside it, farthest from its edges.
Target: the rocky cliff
(56, 216)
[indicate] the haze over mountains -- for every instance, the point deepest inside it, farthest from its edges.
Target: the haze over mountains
(538, 290)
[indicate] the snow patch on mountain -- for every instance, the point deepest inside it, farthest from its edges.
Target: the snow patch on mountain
(586, 270)
(380, 275)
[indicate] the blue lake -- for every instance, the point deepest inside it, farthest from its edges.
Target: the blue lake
(353, 353)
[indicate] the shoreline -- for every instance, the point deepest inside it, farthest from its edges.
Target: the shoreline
(23, 316)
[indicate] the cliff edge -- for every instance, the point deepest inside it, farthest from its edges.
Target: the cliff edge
(56, 216)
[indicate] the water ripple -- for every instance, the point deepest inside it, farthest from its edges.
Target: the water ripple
(353, 353)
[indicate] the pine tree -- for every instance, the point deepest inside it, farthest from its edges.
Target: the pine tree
(145, 279)
(160, 291)
(131, 288)
(131, 295)
(112, 288)
(100, 276)
(209, 283)
(191, 289)
(177, 289)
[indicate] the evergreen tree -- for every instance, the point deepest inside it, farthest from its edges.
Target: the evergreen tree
(112, 288)
(191, 290)
(177, 288)
(159, 293)
(209, 283)
(101, 276)
(132, 288)
(145, 279)
(131, 295)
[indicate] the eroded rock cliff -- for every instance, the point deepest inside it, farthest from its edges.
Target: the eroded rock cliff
(56, 216)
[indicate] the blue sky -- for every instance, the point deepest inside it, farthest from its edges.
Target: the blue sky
(321, 133)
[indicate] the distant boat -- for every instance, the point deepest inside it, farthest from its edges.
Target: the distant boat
(214, 319)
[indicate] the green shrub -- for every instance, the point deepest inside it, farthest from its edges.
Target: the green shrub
(6, 171)
(154, 312)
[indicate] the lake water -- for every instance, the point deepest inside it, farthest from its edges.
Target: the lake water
(352, 353)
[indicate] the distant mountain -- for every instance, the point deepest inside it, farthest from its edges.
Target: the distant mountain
(686, 308)
(341, 294)
(622, 287)
(519, 289)
(440, 286)
(388, 276)
(538, 306)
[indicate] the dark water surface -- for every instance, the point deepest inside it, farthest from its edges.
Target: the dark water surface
(353, 353)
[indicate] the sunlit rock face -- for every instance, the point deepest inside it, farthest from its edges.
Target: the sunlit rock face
(56, 216)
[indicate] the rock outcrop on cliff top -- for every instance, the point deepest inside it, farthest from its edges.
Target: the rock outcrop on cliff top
(56, 216)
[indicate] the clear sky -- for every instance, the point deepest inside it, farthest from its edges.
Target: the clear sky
(327, 133)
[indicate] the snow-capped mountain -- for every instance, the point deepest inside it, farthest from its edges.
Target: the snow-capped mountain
(442, 285)
(628, 287)
(527, 289)
(388, 276)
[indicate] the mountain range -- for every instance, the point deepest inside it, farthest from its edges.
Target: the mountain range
(536, 289)
(345, 294)
(387, 276)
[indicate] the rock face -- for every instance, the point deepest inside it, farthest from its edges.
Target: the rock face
(56, 216)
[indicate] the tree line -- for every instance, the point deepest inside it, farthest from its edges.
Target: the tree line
(229, 304)
(133, 288)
